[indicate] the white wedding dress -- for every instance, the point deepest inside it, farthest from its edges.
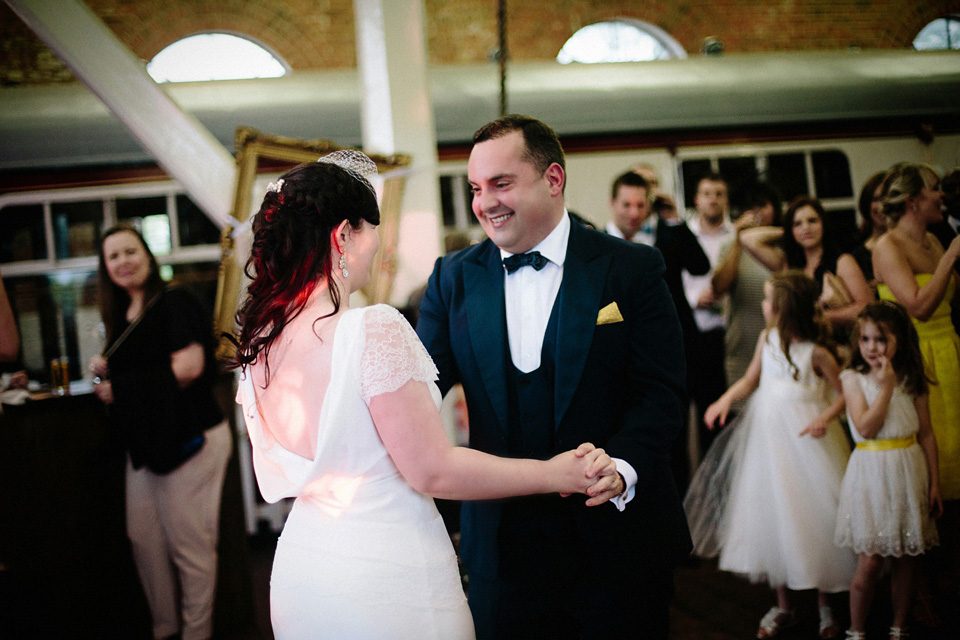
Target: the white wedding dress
(362, 554)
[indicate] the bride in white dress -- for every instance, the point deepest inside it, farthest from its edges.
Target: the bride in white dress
(342, 412)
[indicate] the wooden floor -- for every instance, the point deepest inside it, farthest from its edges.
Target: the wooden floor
(708, 605)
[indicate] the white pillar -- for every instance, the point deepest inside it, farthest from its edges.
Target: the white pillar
(397, 117)
(178, 141)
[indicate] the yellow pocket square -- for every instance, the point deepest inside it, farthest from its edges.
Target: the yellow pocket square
(609, 314)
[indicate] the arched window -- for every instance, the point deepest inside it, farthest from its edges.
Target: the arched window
(620, 40)
(942, 33)
(215, 56)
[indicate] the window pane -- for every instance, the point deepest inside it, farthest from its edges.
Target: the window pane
(21, 233)
(446, 201)
(788, 173)
(149, 217)
(200, 278)
(843, 224)
(76, 228)
(456, 195)
(739, 173)
(130, 210)
(692, 171)
(831, 174)
(214, 56)
(942, 33)
(613, 41)
(57, 316)
(194, 225)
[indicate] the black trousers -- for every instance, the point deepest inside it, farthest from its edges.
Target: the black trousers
(550, 587)
(706, 377)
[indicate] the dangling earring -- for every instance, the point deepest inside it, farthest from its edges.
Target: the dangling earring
(343, 265)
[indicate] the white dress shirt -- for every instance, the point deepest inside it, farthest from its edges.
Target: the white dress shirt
(693, 286)
(647, 234)
(954, 224)
(530, 296)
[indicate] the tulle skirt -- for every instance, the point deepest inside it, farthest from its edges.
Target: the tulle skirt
(884, 504)
(765, 499)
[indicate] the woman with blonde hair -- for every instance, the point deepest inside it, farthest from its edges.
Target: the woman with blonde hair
(913, 268)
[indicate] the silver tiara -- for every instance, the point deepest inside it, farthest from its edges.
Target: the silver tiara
(354, 162)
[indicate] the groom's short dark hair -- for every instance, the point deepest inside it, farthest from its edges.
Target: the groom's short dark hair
(542, 145)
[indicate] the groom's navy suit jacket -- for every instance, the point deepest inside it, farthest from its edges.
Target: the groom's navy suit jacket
(617, 384)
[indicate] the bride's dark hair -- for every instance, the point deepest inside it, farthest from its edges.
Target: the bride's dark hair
(291, 250)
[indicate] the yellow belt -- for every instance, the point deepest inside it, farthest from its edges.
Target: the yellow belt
(888, 444)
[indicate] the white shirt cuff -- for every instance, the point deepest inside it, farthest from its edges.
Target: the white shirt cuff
(629, 474)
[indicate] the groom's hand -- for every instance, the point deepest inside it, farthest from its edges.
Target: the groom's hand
(609, 482)
(609, 485)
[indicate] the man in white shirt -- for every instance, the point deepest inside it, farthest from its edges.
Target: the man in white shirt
(631, 210)
(560, 333)
(706, 374)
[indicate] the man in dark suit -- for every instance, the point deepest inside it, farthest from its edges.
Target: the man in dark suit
(575, 341)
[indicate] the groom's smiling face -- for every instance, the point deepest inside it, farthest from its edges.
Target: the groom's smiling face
(516, 205)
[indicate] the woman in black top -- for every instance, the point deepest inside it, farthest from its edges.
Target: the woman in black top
(157, 374)
(803, 241)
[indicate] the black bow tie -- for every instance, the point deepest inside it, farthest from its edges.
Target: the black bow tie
(530, 259)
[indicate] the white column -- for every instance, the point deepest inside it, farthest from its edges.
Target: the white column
(178, 141)
(397, 117)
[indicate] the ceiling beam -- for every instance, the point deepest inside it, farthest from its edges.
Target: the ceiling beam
(179, 143)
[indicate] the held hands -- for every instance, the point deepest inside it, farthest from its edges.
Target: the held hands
(589, 470)
(609, 482)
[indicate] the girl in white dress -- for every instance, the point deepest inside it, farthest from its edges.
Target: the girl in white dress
(891, 490)
(342, 413)
(765, 496)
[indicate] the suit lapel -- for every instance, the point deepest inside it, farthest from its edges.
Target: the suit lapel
(487, 326)
(584, 273)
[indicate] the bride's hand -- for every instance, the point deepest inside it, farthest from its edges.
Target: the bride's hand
(609, 484)
(586, 470)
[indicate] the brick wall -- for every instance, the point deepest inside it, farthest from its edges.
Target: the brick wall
(318, 34)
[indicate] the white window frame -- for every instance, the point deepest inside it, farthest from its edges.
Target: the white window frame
(664, 39)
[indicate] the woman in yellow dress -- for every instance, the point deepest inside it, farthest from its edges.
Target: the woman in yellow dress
(912, 268)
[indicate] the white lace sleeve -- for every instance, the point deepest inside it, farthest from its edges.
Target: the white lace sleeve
(392, 353)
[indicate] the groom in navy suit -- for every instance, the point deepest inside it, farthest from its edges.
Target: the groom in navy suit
(560, 335)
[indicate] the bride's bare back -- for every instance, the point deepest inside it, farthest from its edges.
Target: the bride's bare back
(300, 361)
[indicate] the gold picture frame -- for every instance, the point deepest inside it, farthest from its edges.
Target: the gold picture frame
(252, 147)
